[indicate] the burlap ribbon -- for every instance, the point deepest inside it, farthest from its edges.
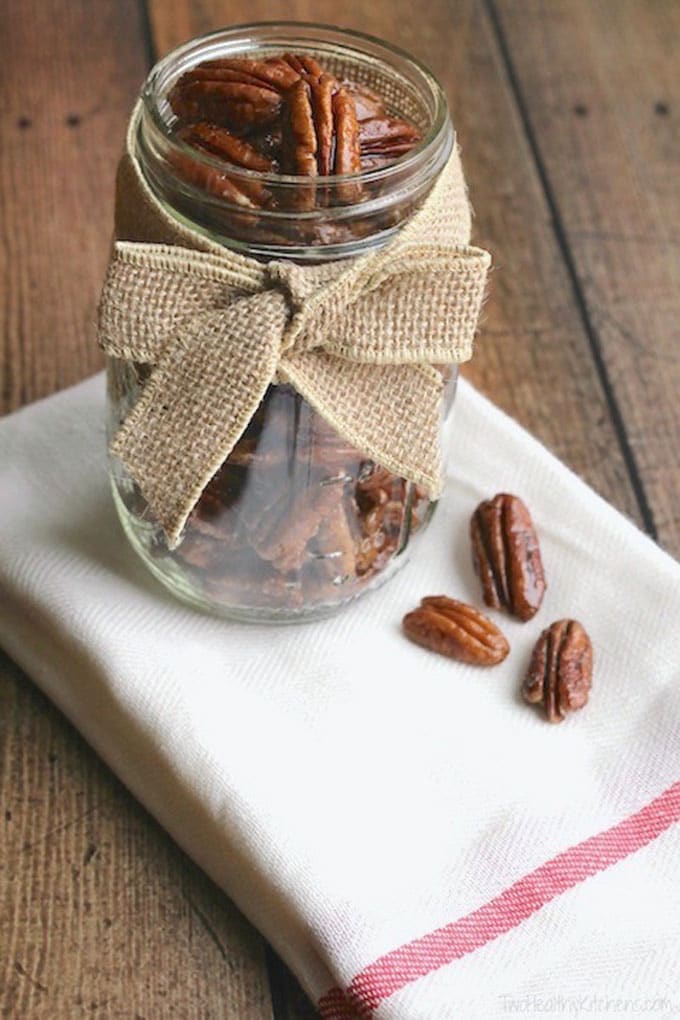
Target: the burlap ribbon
(358, 339)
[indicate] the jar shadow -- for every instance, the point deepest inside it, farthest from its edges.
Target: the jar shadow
(461, 556)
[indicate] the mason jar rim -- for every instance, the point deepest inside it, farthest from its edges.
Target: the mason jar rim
(155, 89)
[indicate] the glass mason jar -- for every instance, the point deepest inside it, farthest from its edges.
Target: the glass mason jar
(296, 522)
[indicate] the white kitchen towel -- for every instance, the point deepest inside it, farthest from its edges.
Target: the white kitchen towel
(415, 841)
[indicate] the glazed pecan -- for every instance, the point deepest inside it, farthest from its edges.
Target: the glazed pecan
(212, 181)
(299, 136)
(346, 129)
(281, 534)
(561, 669)
(274, 72)
(240, 94)
(321, 94)
(238, 105)
(387, 136)
(455, 629)
(321, 131)
(380, 499)
(368, 103)
(383, 139)
(347, 151)
(221, 143)
(507, 557)
(303, 64)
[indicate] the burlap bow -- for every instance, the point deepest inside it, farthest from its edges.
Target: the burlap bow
(359, 340)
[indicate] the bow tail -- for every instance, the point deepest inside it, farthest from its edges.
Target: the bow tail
(389, 412)
(201, 395)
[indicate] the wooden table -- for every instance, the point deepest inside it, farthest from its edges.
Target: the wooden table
(568, 113)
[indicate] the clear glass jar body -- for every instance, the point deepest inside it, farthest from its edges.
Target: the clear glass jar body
(296, 522)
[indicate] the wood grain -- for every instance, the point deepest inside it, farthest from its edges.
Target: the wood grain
(600, 83)
(67, 79)
(100, 914)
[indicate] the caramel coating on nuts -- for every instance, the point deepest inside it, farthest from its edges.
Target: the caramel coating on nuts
(561, 670)
(295, 116)
(455, 629)
(507, 557)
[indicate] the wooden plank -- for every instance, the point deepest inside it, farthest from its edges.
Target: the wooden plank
(534, 358)
(66, 79)
(600, 85)
(100, 914)
(68, 75)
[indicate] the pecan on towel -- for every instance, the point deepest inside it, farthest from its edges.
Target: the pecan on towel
(561, 669)
(455, 629)
(507, 557)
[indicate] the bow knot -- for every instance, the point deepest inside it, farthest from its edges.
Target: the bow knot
(290, 280)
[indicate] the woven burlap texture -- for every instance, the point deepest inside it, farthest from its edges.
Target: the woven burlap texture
(358, 338)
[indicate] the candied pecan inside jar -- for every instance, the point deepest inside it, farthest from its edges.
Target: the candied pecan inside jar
(283, 115)
(296, 514)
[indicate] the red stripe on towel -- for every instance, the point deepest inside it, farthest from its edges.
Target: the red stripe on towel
(515, 904)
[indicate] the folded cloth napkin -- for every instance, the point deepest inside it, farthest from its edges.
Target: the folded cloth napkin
(414, 840)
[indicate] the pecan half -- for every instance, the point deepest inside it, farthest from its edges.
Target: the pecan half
(367, 102)
(237, 93)
(455, 629)
(321, 91)
(221, 143)
(387, 136)
(212, 181)
(299, 136)
(300, 144)
(239, 105)
(281, 536)
(303, 64)
(321, 132)
(561, 670)
(507, 557)
(274, 72)
(347, 151)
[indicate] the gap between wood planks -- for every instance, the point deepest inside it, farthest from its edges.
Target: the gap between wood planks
(570, 266)
(150, 49)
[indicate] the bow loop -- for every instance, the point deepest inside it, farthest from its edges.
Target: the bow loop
(357, 338)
